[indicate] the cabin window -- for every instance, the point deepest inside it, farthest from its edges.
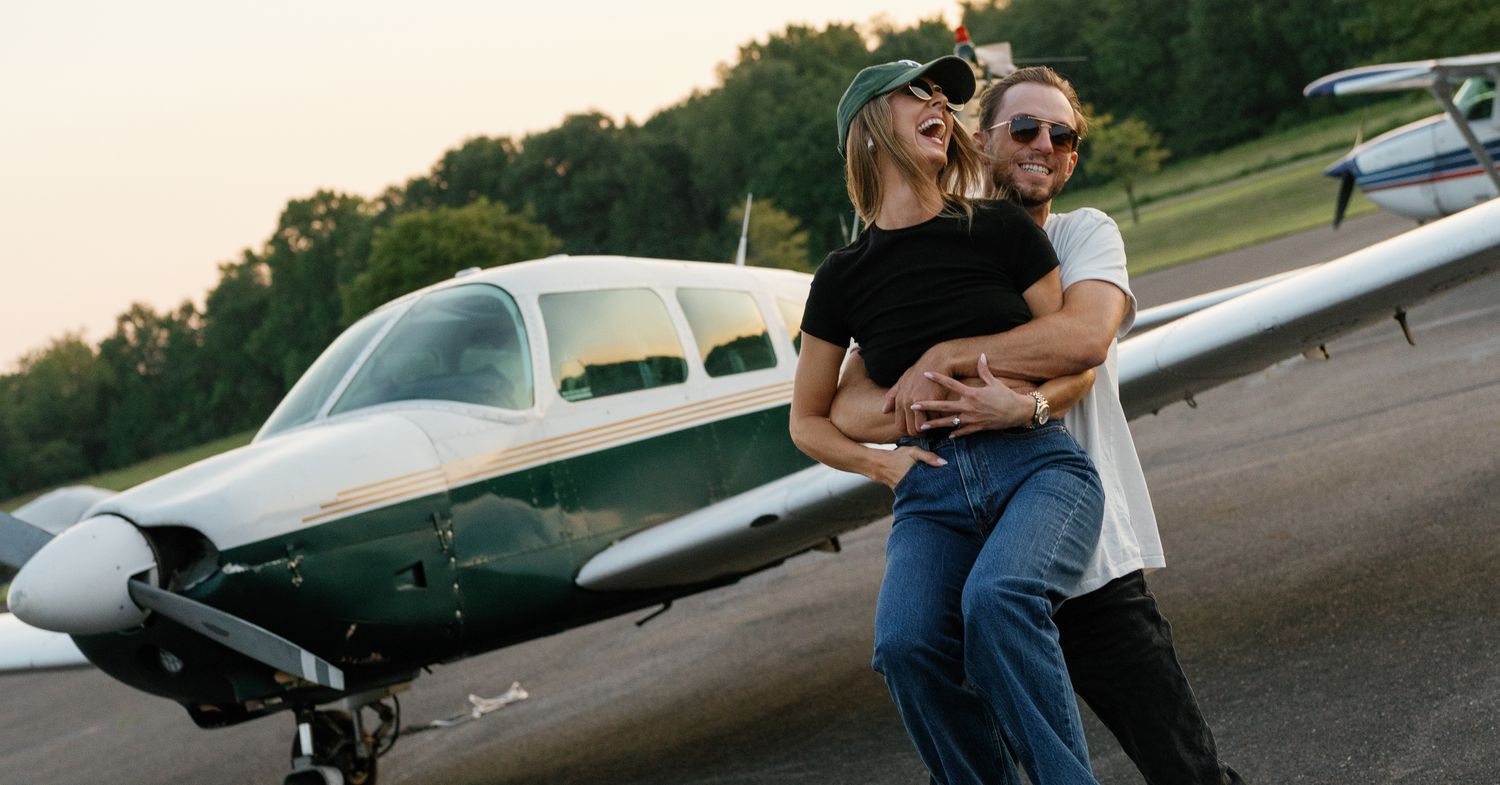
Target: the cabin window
(730, 331)
(311, 392)
(464, 343)
(791, 316)
(611, 341)
(1475, 99)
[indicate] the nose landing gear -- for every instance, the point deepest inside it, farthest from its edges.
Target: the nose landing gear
(336, 747)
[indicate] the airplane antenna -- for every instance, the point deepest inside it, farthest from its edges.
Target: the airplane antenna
(739, 256)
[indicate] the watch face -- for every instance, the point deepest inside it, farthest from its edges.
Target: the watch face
(1043, 411)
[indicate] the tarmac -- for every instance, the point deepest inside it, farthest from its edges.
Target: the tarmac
(1331, 535)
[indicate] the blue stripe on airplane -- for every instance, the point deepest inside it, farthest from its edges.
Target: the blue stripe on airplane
(1430, 168)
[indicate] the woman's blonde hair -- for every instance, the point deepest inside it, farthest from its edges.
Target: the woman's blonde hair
(872, 133)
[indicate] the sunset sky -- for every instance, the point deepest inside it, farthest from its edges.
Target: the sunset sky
(144, 143)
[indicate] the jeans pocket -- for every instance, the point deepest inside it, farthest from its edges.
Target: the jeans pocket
(905, 478)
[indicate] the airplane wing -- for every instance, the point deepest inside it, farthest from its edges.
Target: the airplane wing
(25, 648)
(1413, 75)
(1303, 312)
(57, 510)
(1211, 340)
(741, 534)
(1156, 316)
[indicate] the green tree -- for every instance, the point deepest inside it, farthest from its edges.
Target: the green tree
(775, 239)
(246, 381)
(659, 216)
(568, 177)
(155, 384)
(1124, 151)
(1402, 30)
(54, 407)
(321, 243)
(768, 128)
(474, 170)
(427, 246)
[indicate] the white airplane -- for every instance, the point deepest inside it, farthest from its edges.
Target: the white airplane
(531, 448)
(1435, 166)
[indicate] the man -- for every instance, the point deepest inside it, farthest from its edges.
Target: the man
(1117, 645)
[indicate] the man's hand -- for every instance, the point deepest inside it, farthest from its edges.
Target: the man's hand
(913, 386)
(991, 406)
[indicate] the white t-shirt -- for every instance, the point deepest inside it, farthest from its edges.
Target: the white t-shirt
(1089, 247)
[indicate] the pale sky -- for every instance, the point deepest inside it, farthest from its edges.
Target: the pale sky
(143, 143)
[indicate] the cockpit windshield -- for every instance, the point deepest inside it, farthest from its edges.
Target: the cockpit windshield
(465, 343)
(310, 392)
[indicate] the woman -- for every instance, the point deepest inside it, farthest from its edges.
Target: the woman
(991, 530)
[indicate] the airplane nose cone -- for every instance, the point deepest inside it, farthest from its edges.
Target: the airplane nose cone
(79, 582)
(1345, 166)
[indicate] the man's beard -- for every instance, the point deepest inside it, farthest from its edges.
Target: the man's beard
(1000, 176)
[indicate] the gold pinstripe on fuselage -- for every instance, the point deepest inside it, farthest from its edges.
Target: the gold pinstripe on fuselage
(494, 464)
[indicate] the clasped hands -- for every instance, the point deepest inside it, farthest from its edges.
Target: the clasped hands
(924, 398)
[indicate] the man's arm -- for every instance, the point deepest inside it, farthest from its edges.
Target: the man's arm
(857, 406)
(1074, 339)
(855, 410)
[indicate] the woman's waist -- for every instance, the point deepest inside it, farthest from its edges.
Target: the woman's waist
(940, 439)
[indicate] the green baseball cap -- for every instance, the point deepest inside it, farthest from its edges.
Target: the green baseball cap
(948, 72)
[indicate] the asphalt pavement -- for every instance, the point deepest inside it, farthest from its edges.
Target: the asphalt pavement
(1332, 532)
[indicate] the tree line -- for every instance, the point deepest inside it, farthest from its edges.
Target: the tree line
(1203, 73)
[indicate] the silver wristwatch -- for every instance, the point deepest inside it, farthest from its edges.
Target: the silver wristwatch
(1043, 411)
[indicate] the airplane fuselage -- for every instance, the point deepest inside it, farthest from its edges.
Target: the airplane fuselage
(419, 530)
(1426, 169)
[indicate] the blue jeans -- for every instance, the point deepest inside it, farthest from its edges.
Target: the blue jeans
(981, 554)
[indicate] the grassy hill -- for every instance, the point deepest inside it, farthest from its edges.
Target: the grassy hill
(1244, 195)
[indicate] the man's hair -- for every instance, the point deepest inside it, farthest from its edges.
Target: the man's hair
(872, 132)
(989, 103)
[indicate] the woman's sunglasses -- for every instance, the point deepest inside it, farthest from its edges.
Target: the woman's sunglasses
(1024, 128)
(925, 91)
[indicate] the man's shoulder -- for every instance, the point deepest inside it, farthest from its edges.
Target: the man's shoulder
(1083, 221)
(1084, 232)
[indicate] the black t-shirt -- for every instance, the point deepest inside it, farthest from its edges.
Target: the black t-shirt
(899, 292)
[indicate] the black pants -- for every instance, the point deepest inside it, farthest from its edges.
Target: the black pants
(1120, 657)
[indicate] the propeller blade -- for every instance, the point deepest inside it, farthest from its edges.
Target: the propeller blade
(19, 540)
(248, 639)
(1346, 190)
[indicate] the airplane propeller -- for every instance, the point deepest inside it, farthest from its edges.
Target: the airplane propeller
(19, 540)
(1346, 190)
(100, 576)
(1345, 171)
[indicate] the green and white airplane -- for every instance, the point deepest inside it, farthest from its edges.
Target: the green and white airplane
(527, 449)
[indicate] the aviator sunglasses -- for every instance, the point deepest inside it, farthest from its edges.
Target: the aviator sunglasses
(925, 91)
(1024, 128)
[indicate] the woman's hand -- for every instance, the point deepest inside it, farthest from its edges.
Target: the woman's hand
(893, 466)
(993, 406)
